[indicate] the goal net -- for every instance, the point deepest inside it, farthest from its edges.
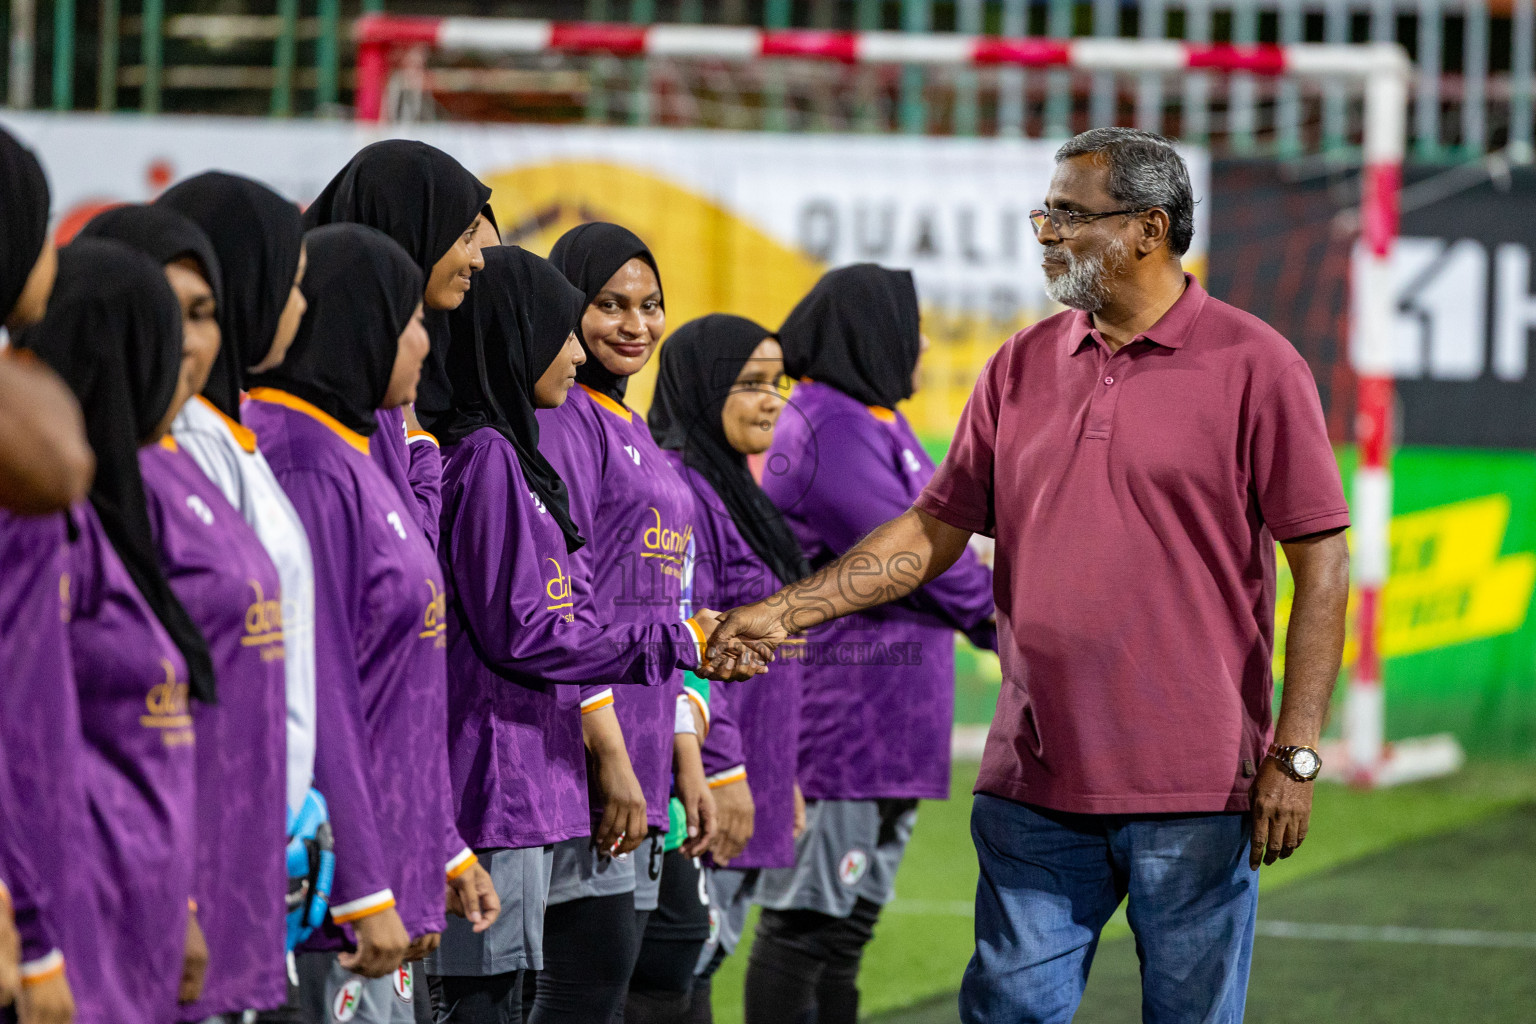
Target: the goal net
(1251, 98)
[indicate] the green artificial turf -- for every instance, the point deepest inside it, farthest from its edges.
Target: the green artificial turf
(1476, 878)
(913, 955)
(924, 939)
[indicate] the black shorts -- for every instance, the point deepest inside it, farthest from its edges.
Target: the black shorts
(682, 908)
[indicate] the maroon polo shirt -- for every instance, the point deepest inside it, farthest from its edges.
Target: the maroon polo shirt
(1136, 498)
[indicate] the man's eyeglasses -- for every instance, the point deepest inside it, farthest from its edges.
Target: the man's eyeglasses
(1065, 222)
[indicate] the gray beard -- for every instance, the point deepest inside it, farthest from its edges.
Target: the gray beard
(1084, 285)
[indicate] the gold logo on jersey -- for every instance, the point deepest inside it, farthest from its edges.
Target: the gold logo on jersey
(559, 590)
(263, 624)
(166, 704)
(665, 544)
(435, 620)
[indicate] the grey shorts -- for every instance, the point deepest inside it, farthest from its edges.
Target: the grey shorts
(647, 860)
(515, 942)
(331, 994)
(730, 895)
(850, 849)
(581, 872)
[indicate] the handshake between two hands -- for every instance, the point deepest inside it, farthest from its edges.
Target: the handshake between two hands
(740, 643)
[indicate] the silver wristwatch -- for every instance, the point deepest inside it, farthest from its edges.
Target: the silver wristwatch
(1300, 763)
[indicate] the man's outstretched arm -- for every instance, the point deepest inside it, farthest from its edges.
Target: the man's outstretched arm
(895, 559)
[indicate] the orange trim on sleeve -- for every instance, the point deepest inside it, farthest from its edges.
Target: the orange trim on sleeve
(45, 967)
(699, 703)
(169, 444)
(465, 861)
(881, 413)
(244, 436)
(698, 636)
(422, 435)
(606, 700)
(727, 777)
(388, 903)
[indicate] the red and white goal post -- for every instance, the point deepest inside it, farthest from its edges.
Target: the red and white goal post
(1380, 70)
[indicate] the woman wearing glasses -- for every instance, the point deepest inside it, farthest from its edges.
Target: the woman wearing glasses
(718, 398)
(878, 686)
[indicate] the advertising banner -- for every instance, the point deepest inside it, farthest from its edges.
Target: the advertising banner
(1282, 247)
(1466, 309)
(740, 222)
(1458, 640)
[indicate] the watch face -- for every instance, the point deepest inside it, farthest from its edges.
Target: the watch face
(1306, 763)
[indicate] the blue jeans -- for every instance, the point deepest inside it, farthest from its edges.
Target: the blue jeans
(1050, 881)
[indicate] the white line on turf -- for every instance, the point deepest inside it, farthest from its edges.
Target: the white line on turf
(1294, 929)
(1395, 933)
(932, 908)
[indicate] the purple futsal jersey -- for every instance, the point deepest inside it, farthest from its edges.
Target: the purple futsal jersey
(413, 464)
(637, 516)
(218, 568)
(520, 635)
(753, 724)
(380, 637)
(879, 687)
(136, 856)
(39, 739)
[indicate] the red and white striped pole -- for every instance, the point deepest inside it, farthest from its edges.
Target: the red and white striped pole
(1371, 353)
(1383, 69)
(378, 34)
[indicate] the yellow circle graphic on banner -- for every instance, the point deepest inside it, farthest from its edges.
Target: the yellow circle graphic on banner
(712, 260)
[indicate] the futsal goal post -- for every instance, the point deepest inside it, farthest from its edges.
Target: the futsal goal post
(1380, 71)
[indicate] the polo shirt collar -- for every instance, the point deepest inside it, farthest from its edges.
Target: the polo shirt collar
(1170, 331)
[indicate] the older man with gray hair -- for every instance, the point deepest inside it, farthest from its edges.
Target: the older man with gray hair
(1136, 458)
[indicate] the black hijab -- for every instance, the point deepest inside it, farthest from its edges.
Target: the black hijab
(511, 326)
(161, 234)
(362, 289)
(258, 237)
(113, 332)
(422, 198)
(857, 330)
(699, 363)
(23, 219)
(414, 193)
(589, 255)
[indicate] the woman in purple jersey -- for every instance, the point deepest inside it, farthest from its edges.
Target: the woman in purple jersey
(436, 210)
(425, 200)
(878, 688)
(40, 750)
(113, 331)
(637, 516)
(521, 632)
(380, 620)
(718, 398)
(217, 566)
(258, 238)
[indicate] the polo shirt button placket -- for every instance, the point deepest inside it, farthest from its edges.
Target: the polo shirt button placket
(1101, 408)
